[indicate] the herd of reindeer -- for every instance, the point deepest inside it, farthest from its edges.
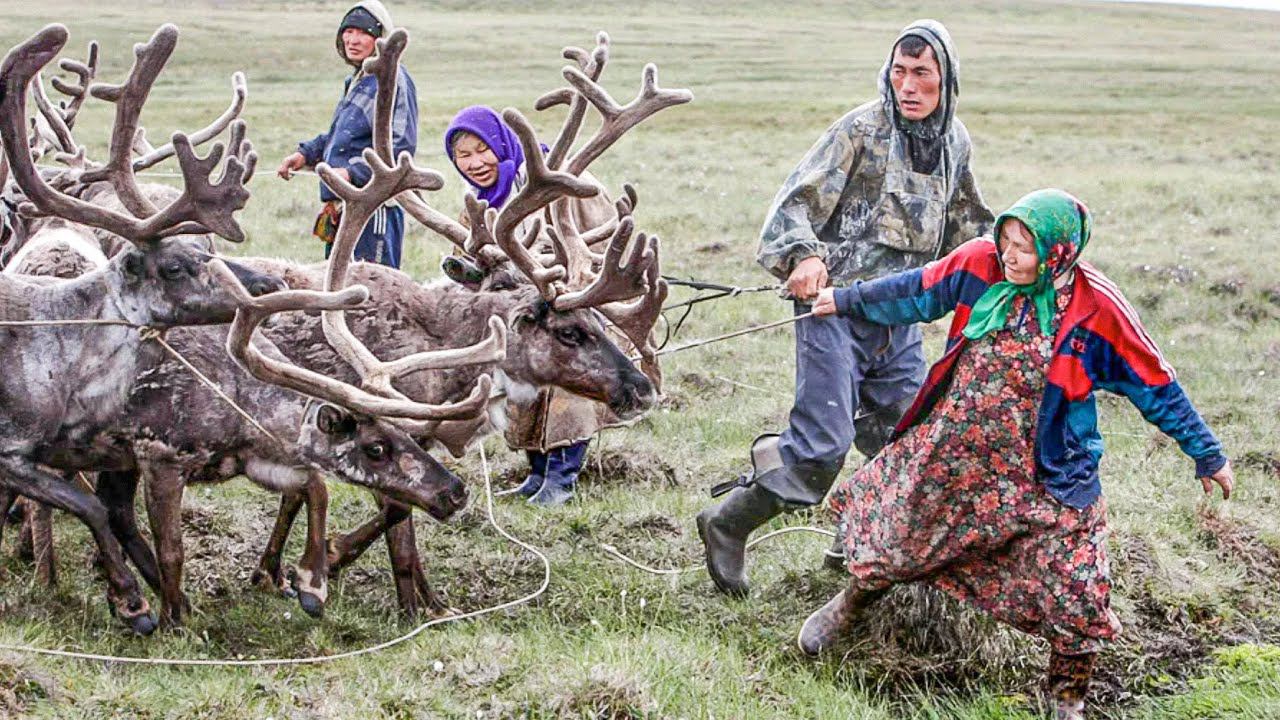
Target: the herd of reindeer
(113, 297)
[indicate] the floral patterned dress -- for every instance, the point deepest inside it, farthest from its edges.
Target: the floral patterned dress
(955, 502)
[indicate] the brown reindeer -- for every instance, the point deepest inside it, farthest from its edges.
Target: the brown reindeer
(564, 270)
(52, 400)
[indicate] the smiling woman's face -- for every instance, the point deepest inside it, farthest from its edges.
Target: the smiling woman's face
(475, 159)
(1018, 253)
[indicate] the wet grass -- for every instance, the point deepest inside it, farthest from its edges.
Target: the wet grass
(1163, 119)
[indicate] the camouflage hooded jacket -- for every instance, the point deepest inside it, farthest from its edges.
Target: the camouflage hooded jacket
(855, 200)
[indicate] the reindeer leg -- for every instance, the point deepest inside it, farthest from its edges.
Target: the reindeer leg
(346, 549)
(7, 499)
(313, 572)
(117, 490)
(163, 491)
(268, 576)
(41, 516)
(123, 593)
(412, 589)
(26, 531)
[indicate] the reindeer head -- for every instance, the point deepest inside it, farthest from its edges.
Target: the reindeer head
(580, 275)
(169, 284)
(375, 454)
(161, 279)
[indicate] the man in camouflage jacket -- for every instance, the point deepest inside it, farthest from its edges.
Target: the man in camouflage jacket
(887, 188)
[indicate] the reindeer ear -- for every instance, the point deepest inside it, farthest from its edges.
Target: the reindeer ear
(134, 266)
(333, 420)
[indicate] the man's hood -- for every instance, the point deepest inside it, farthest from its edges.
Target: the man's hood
(374, 8)
(939, 122)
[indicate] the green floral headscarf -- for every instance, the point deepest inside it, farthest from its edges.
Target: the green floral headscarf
(1060, 224)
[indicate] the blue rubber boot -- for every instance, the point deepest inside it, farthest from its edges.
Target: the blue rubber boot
(537, 471)
(563, 465)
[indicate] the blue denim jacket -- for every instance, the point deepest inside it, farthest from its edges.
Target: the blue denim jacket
(351, 130)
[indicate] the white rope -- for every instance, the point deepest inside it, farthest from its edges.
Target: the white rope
(274, 662)
(726, 336)
(612, 550)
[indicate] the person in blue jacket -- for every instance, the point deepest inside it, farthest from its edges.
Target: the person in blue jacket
(351, 131)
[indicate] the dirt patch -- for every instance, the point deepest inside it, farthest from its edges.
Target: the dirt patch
(705, 385)
(1226, 287)
(22, 687)
(1267, 462)
(1272, 295)
(607, 693)
(1236, 541)
(1252, 311)
(713, 248)
(656, 525)
(1178, 274)
(609, 466)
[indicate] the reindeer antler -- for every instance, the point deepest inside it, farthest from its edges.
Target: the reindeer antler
(376, 394)
(254, 310)
(203, 206)
(153, 156)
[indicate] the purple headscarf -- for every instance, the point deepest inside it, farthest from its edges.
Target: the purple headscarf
(487, 125)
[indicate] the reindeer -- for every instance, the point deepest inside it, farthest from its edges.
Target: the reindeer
(498, 243)
(64, 381)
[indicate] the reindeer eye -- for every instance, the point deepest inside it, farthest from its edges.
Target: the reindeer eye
(171, 271)
(571, 336)
(377, 451)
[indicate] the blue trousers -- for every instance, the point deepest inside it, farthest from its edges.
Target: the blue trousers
(382, 239)
(843, 365)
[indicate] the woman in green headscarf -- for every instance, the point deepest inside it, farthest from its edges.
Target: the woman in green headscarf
(990, 489)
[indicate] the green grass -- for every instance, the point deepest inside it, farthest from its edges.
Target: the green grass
(1163, 119)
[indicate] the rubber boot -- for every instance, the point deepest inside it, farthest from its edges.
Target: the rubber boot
(832, 621)
(1068, 682)
(537, 471)
(724, 529)
(563, 466)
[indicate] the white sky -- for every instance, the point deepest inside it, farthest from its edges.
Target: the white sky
(1250, 4)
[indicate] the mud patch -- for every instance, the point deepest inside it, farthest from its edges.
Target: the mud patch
(608, 466)
(1236, 541)
(1267, 462)
(1272, 295)
(1226, 288)
(1178, 274)
(606, 693)
(656, 525)
(22, 687)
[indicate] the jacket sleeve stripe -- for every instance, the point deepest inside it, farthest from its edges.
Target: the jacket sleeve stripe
(1132, 330)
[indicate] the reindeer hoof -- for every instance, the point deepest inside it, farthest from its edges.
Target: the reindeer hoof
(311, 604)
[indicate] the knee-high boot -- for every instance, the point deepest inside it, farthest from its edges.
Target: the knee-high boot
(1068, 682)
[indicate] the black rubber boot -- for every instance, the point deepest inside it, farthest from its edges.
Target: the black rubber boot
(724, 529)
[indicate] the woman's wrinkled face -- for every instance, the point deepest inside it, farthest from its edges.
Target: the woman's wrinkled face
(357, 44)
(475, 159)
(1018, 253)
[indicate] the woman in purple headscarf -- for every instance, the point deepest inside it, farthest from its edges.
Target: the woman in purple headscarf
(555, 429)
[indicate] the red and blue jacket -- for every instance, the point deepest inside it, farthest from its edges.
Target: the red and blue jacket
(1100, 344)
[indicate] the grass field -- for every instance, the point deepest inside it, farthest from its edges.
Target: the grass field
(1165, 120)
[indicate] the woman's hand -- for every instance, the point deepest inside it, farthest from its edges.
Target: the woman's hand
(826, 303)
(1225, 479)
(290, 164)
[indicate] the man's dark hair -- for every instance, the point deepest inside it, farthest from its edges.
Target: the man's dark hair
(911, 46)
